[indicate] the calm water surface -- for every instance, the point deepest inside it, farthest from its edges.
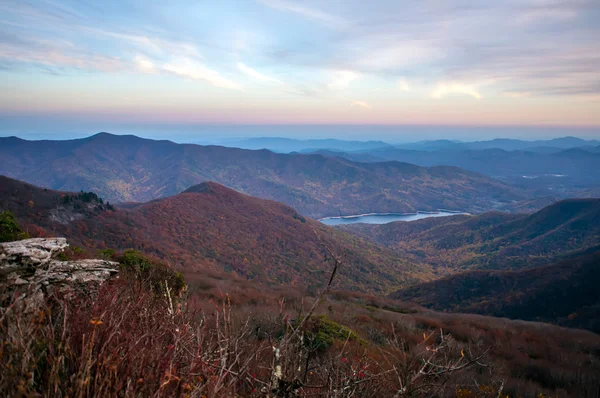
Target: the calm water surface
(384, 218)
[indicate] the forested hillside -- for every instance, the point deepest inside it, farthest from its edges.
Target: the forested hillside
(211, 226)
(565, 293)
(494, 240)
(129, 168)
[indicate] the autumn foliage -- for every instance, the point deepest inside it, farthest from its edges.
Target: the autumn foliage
(130, 340)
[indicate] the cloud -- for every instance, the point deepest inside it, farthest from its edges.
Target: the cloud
(529, 44)
(342, 79)
(517, 94)
(403, 85)
(545, 13)
(310, 13)
(185, 68)
(543, 70)
(183, 59)
(388, 53)
(444, 89)
(361, 104)
(148, 44)
(58, 56)
(541, 47)
(256, 75)
(53, 56)
(194, 70)
(144, 64)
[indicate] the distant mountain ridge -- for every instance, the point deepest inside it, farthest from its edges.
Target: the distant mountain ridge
(129, 168)
(548, 171)
(287, 145)
(507, 144)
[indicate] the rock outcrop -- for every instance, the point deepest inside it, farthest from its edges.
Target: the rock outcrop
(30, 271)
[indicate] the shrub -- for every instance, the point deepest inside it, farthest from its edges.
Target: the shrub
(321, 332)
(152, 272)
(127, 341)
(136, 261)
(106, 253)
(72, 253)
(9, 229)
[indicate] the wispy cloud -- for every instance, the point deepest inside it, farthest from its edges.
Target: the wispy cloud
(361, 104)
(342, 79)
(331, 20)
(183, 59)
(444, 89)
(403, 85)
(144, 64)
(256, 75)
(60, 56)
(57, 55)
(388, 53)
(326, 52)
(543, 70)
(190, 69)
(548, 12)
(517, 94)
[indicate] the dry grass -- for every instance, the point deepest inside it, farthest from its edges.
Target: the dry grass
(132, 340)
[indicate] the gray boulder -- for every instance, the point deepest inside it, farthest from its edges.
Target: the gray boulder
(29, 272)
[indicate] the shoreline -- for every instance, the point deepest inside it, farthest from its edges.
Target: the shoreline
(392, 214)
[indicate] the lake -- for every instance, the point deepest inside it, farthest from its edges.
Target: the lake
(384, 218)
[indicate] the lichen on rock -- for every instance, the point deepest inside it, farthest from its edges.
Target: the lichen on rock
(29, 270)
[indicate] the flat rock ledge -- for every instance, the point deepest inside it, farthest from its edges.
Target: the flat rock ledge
(29, 271)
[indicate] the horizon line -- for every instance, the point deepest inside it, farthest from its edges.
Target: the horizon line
(295, 138)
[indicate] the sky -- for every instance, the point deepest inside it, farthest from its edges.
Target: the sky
(387, 69)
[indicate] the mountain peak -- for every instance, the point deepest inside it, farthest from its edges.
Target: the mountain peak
(209, 187)
(111, 137)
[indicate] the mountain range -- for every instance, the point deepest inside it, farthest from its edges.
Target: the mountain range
(209, 226)
(287, 145)
(558, 172)
(507, 144)
(190, 206)
(129, 168)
